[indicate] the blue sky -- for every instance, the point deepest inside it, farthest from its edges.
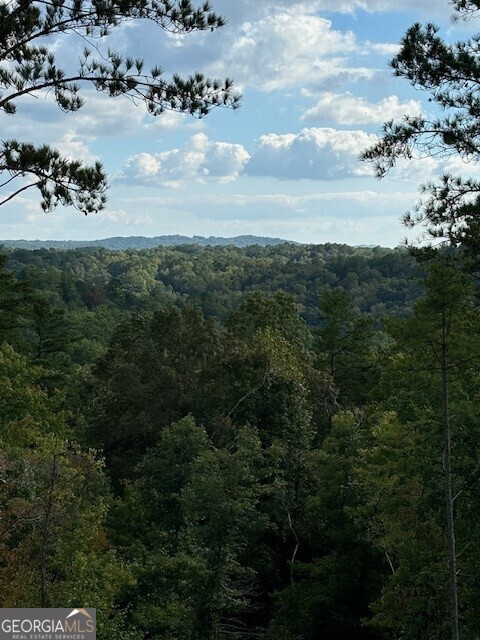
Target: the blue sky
(316, 84)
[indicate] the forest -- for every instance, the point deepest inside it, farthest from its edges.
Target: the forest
(220, 442)
(275, 442)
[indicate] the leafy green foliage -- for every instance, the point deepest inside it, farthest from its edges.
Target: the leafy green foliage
(403, 468)
(249, 488)
(157, 370)
(218, 279)
(200, 502)
(53, 500)
(339, 570)
(344, 344)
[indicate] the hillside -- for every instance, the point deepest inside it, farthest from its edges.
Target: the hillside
(142, 242)
(208, 438)
(217, 278)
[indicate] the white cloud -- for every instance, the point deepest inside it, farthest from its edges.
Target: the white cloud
(383, 48)
(272, 202)
(429, 8)
(241, 9)
(104, 116)
(285, 49)
(325, 153)
(349, 109)
(314, 153)
(171, 121)
(100, 116)
(200, 159)
(73, 146)
(339, 76)
(354, 217)
(119, 217)
(458, 166)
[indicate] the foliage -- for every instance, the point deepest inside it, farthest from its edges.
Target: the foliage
(341, 571)
(449, 73)
(402, 470)
(344, 344)
(380, 281)
(199, 475)
(53, 500)
(28, 67)
(192, 558)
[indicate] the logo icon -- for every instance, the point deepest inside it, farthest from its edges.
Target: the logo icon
(84, 612)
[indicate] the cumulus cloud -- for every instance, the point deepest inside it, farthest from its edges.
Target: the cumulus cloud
(349, 109)
(314, 153)
(200, 159)
(167, 121)
(100, 116)
(104, 116)
(73, 146)
(265, 44)
(324, 153)
(285, 49)
(268, 45)
(429, 8)
(170, 121)
(338, 77)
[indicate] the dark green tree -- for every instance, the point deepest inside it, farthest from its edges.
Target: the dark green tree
(278, 313)
(15, 299)
(338, 572)
(53, 501)
(420, 472)
(28, 66)
(189, 524)
(158, 369)
(344, 344)
(450, 74)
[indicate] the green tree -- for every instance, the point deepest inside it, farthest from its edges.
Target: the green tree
(449, 73)
(344, 344)
(420, 471)
(339, 571)
(28, 66)
(15, 300)
(189, 523)
(158, 369)
(278, 313)
(53, 500)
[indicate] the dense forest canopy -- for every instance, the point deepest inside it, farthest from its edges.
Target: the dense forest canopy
(277, 442)
(142, 242)
(380, 281)
(258, 430)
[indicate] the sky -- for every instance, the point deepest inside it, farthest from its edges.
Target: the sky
(316, 89)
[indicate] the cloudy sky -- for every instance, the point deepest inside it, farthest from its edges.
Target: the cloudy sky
(316, 88)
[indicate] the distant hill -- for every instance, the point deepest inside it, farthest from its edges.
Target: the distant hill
(142, 242)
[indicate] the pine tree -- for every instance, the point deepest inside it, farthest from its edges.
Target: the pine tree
(449, 73)
(29, 67)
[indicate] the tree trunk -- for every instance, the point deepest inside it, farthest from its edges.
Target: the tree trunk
(45, 535)
(447, 467)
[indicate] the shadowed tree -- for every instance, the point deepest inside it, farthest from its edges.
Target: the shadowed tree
(343, 343)
(421, 472)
